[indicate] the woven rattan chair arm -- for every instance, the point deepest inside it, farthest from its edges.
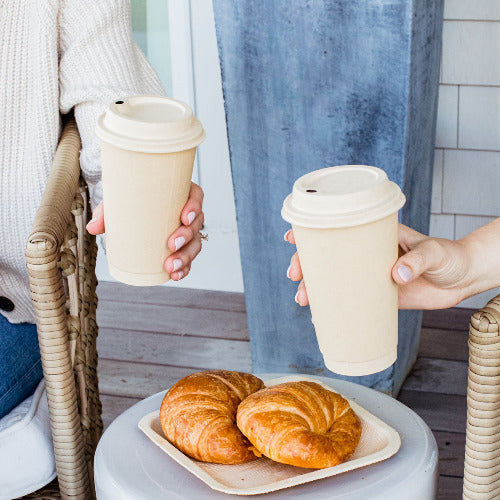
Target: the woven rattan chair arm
(54, 213)
(482, 446)
(53, 233)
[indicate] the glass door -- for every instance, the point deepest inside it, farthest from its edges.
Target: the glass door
(150, 26)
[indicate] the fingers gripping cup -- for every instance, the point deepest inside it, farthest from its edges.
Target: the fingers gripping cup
(148, 146)
(345, 223)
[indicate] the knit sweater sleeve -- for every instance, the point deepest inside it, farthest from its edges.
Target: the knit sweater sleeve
(98, 63)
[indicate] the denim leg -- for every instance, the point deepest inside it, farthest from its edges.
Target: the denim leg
(20, 363)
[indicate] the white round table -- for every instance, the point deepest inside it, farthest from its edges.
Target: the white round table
(128, 466)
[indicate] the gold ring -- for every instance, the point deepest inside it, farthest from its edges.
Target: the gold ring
(204, 236)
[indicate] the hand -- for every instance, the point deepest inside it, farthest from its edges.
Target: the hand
(433, 273)
(185, 241)
(294, 272)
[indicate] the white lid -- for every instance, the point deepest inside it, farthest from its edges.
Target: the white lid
(343, 196)
(150, 124)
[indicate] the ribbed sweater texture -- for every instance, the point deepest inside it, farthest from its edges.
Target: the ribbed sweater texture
(55, 56)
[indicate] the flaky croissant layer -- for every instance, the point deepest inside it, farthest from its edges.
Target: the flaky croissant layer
(301, 424)
(198, 415)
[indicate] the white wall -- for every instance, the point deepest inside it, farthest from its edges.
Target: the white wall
(467, 157)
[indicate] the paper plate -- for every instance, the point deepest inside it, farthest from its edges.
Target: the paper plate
(378, 442)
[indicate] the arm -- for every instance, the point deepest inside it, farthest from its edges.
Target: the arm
(100, 62)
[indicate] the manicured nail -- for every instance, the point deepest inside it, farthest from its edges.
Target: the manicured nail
(191, 216)
(178, 242)
(180, 274)
(94, 219)
(285, 237)
(404, 273)
(297, 296)
(288, 272)
(177, 264)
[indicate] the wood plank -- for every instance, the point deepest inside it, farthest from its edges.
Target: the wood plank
(169, 319)
(138, 380)
(113, 406)
(441, 412)
(455, 318)
(444, 344)
(450, 488)
(438, 375)
(451, 453)
(182, 351)
(172, 296)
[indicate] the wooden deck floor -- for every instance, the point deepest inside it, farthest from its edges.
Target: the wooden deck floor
(151, 337)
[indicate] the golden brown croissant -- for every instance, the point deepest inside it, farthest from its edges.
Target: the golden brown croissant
(198, 415)
(300, 423)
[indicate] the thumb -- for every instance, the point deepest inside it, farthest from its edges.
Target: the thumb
(96, 224)
(426, 256)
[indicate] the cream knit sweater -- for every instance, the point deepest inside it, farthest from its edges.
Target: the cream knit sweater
(55, 55)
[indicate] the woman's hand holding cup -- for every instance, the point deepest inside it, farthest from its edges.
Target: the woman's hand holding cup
(185, 241)
(432, 273)
(294, 272)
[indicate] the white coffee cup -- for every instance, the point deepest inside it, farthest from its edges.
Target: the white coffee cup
(148, 145)
(345, 223)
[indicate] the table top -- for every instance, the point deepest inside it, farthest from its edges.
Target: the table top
(128, 466)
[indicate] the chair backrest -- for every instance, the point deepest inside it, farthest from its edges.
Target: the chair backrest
(482, 445)
(60, 257)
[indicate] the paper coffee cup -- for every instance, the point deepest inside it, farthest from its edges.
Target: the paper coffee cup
(345, 223)
(148, 146)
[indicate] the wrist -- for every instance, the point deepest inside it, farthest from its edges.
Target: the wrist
(479, 276)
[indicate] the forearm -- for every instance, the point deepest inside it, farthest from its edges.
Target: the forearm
(99, 63)
(483, 248)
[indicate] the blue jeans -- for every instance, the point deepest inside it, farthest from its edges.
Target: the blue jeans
(20, 363)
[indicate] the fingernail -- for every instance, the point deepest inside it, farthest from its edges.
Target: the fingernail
(285, 237)
(178, 242)
(404, 273)
(297, 296)
(91, 221)
(288, 272)
(177, 264)
(191, 216)
(180, 274)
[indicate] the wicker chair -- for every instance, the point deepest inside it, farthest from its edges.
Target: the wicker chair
(482, 446)
(60, 257)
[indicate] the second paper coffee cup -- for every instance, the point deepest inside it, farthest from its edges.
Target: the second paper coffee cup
(148, 145)
(345, 223)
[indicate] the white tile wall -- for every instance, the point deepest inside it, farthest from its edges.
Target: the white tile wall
(466, 181)
(479, 117)
(437, 181)
(471, 181)
(465, 224)
(447, 118)
(469, 55)
(472, 10)
(442, 226)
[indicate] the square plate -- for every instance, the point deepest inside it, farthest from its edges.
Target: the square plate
(378, 442)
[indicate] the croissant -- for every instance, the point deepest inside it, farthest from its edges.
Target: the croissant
(301, 424)
(198, 415)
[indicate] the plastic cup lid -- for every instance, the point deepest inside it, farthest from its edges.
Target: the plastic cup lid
(349, 195)
(150, 124)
